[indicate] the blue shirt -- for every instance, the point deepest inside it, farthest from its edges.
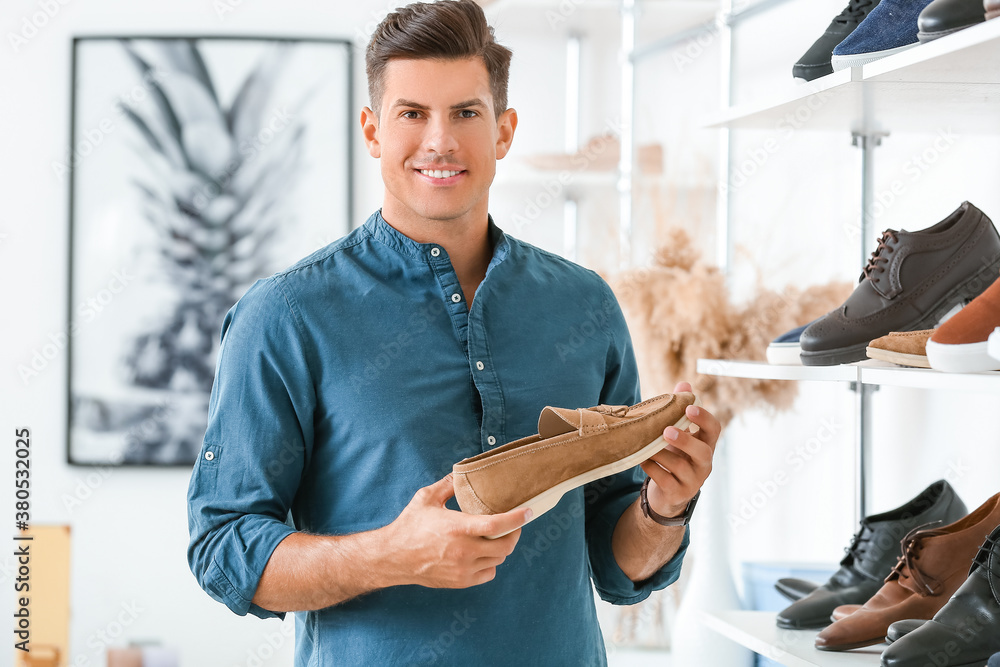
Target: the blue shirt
(359, 375)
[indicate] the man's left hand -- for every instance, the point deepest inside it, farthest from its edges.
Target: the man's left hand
(677, 472)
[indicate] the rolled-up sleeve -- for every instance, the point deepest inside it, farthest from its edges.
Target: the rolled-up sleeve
(257, 443)
(607, 499)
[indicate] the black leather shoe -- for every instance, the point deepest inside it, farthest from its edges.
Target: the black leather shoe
(966, 631)
(900, 629)
(872, 555)
(943, 17)
(794, 589)
(911, 281)
(816, 61)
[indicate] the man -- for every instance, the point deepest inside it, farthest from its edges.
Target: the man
(349, 384)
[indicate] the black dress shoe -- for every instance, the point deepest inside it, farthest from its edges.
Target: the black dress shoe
(816, 61)
(871, 556)
(794, 589)
(966, 631)
(911, 281)
(943, 17)
(900, 629)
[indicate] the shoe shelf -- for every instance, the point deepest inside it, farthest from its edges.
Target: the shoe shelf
(955, 78)
(866, 372)
(757, 631)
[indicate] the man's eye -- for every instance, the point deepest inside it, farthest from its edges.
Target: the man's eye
(410, 114)
(470, 112)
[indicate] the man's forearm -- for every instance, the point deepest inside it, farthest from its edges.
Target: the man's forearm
(307, 572)
(642, 546)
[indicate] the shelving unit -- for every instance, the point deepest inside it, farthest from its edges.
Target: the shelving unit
(949, 85)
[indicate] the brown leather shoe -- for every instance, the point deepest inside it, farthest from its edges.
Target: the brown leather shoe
(911, 282)
(992, 8)
(571, 448)
(843, 611)
(905, 348)
(960, 344)
(934, 564)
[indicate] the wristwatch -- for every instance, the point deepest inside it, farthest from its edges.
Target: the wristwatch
(682, 520)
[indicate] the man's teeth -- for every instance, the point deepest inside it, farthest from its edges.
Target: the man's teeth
(438, 173)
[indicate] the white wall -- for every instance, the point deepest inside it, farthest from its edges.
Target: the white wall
(129, 532)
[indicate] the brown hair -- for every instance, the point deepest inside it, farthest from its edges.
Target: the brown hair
(449, 30)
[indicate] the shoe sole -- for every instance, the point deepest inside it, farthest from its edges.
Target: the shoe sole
(859, 59)
(961, 358)
(858, 352)
(924, 37)
(901, 358)
(808, 624)
(549, 498)
(847, 647)
(993, 344)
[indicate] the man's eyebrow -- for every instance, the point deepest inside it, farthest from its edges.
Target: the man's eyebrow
(476, 102)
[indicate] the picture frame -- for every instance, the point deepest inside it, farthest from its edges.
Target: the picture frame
(197, 164)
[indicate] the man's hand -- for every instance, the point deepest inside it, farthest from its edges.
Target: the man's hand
(678, 471)
(436, 547)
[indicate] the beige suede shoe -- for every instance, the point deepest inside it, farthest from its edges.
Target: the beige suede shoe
(571, 448)
(905, 348)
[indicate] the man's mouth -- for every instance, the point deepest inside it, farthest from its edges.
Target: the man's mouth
(437, 173)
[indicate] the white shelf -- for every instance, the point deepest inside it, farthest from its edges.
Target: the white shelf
(758, 632)
(761, 370)
(952, 83)
(867, 372)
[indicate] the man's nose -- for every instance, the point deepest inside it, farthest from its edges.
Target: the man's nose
(441, 137)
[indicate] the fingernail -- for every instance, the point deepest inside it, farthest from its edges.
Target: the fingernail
(528, 514)
(692, 411)
(671, 433)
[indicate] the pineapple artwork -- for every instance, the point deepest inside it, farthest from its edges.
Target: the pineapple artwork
(214, 155)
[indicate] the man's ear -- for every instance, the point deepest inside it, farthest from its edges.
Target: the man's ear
(506, 125)
(369, 128)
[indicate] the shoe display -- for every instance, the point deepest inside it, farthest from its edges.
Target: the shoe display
(816, 61)
(889, 28)
(794, 589)
(911, 281)
(934, 563)
(871, 556)
(966, 630)
(571, 448)
(960, 344)
(902, 628)
(906, 348)
(993, 344)
(784, 350)
(943, 17)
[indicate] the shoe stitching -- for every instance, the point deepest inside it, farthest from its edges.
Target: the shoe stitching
(515, 454)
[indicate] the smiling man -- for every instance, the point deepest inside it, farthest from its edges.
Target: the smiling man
(348, 385)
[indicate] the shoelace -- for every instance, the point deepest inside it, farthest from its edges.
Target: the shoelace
(983, 559)
(912, 545)
(855, 11)
(878, 256)
(855, 550)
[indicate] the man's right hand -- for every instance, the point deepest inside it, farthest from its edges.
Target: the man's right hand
(436, 547)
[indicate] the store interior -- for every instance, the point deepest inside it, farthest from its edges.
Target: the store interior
(751, 204)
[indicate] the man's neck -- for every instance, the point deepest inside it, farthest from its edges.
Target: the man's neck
(467, 243)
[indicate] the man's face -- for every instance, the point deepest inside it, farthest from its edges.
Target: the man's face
(438, 139)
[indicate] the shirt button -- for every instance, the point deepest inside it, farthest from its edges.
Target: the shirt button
(435, 251)
(456, 297)
(209, 456)
(491, 440)
(480, 365)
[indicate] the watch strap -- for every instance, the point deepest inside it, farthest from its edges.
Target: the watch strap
(681, 520)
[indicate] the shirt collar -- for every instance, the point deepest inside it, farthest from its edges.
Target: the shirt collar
(385, 233)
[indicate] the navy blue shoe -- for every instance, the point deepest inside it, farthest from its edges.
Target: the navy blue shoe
(889, 28)
(784, 350)
(994, 661)
(816, 61)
